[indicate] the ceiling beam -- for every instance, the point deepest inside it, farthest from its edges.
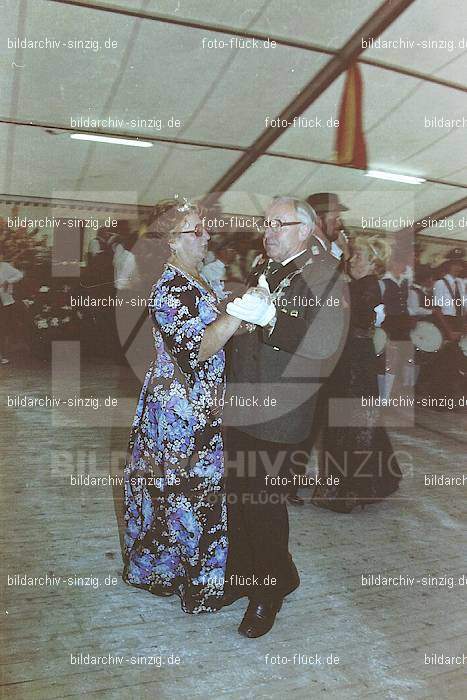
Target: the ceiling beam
(56, 129)
(443, 213)
(371, 29)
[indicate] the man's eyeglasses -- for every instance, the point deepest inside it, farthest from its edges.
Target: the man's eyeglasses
(198, 230)
(277, 224)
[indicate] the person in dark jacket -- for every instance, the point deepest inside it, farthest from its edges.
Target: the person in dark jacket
(358, 465)
(274, 375)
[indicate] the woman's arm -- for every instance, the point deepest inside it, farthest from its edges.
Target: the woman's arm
(216, 335)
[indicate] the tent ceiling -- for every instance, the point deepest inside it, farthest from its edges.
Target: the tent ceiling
(317, 21)
(222, 98)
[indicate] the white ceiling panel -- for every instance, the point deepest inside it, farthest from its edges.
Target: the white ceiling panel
(304, 139)
(237, 14)
(454, 227)
(394, 110)
(457, 174)
(426, 37)
(8, 54)
(365, 197)
(168, 75)
(326, 23)
(424, 200)
(274, 176)
(220, 97)
(320, 22)
(368, 199)
(382, 90)
(435, 162)
(395, 142)
(189, 171)
(56, 84)
(45, 164)
(42, 163)
(455, 69)
(240, 102)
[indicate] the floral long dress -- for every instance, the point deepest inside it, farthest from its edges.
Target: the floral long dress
(175, 509)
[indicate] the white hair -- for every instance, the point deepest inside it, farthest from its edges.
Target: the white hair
(304, 212)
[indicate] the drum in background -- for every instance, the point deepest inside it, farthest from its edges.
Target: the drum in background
(427, 340)
(380, 340)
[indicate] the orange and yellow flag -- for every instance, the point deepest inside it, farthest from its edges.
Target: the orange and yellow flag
(350, 139)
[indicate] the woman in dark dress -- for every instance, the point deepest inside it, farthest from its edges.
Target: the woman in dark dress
(360, 454)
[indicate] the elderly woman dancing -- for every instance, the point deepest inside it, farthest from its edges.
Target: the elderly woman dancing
(176, 522)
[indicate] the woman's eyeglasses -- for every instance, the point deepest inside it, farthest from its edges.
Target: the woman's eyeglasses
(277, 224)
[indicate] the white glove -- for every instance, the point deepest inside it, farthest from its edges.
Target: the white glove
(263, 283)
(252, 309)
(262, 291)
(380, 315)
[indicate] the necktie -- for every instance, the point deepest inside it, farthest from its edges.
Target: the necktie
(457, 299)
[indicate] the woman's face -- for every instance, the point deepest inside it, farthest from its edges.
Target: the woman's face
(360, 265)
(190, 246)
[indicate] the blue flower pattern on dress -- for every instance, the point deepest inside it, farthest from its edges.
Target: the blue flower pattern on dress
(175, 510)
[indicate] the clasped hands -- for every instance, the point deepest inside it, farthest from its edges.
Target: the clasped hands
(255, 306)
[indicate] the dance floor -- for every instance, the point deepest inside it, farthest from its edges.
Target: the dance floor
(335, 637)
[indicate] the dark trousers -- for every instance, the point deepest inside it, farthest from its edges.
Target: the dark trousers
(258, 562)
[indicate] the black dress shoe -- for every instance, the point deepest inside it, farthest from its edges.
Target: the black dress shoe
(259, 618)
(295, 500)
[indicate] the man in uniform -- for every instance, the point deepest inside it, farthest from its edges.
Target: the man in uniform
(449, 293)
(330, 230)
(450, 308)
(274, 375)
(333, 245)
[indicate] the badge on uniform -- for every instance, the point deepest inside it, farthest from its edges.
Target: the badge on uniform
(315, 250)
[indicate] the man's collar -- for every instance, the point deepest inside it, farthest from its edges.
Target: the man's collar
(292, 257)
(324, 243)
(330, 247)
(390, 276)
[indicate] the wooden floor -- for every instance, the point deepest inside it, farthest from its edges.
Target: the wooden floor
(380, 635)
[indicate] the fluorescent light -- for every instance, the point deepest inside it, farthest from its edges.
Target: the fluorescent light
(111, 139)
(411, 179)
